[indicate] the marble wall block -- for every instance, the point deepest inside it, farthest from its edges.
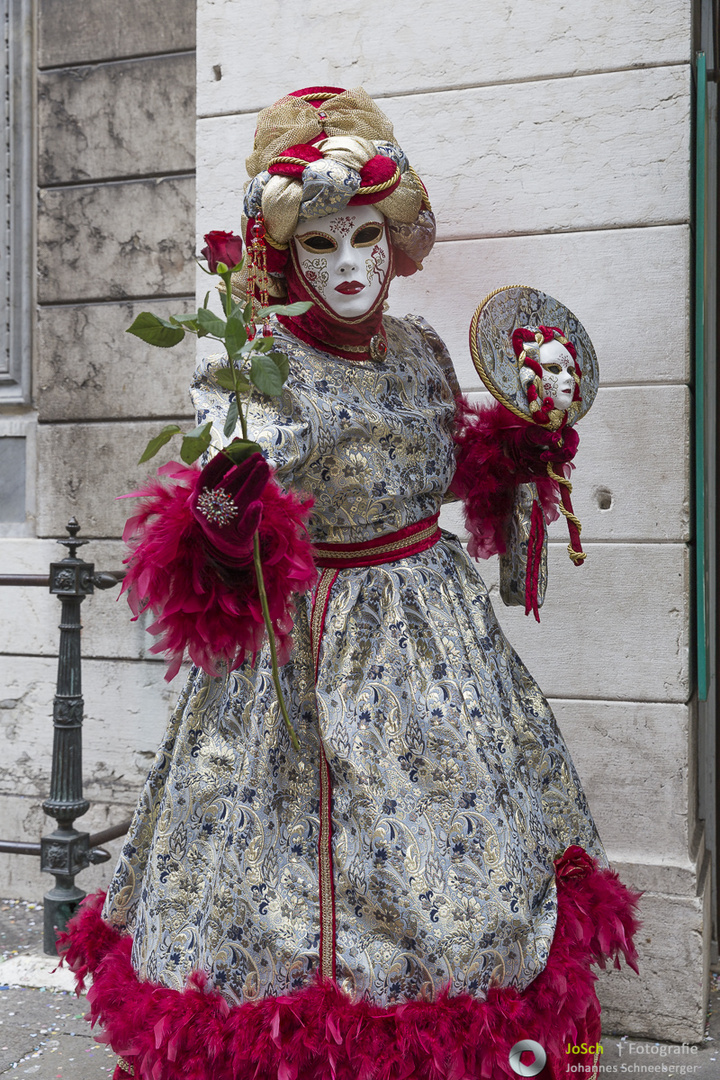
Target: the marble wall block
(129, 118)
(623, 152)
(116, 241)
(89, 368)
(633, 758)
(632, 480)
(98, 30)
(12, 479)
(623, 617)
(391, 49)
(559, 155)
(629, 288)
(668, 999)
(92, 464)
(31, 615)
(632, 475)
(127, 706)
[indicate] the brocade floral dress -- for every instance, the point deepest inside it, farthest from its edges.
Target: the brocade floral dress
(409, 848)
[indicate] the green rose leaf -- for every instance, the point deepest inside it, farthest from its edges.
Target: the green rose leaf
(231, 419)
(282, 363)
(159, 441)
(211, 323)
(196, 442)
(264, 344)
(298, 308)
(265, 375)
(156, 331)
(240, 449)
(225, 377)
(190, 321)
(235, 335)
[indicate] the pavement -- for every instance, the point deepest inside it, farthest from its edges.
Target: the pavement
(42, 1031)
(43, 1034)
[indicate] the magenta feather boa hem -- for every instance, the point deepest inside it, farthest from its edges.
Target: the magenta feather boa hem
(319, 1033)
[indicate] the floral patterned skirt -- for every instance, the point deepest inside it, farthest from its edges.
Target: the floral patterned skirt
(397, 880)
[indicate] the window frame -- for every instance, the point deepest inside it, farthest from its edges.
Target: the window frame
(18, 248)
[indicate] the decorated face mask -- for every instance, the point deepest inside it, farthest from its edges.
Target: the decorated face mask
(344, 258)
(558, 369)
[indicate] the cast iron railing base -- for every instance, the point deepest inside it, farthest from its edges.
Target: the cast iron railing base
(66, 851)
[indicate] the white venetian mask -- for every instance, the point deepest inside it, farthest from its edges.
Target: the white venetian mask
(558, 374)
(344, 257)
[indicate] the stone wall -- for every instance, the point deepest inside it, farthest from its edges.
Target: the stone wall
(555, 144)
(115, 235)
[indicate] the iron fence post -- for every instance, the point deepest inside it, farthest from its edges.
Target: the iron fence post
(65, 852)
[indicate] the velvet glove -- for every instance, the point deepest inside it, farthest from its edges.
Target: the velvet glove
(228, 506)
(530, 447)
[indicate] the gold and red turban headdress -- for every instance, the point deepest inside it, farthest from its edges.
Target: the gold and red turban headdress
(319, 150)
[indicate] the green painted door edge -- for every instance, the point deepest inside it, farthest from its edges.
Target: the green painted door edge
(699, 378)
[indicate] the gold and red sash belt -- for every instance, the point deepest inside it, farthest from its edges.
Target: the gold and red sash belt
(383, 549)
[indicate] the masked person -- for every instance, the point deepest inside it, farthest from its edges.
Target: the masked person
(423, 886)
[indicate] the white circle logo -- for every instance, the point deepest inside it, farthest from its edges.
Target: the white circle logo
(519, 1048)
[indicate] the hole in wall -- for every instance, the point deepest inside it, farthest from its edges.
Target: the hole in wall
(604, 498)
(217, 72)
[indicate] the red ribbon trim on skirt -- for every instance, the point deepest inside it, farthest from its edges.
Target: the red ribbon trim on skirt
(391, 547)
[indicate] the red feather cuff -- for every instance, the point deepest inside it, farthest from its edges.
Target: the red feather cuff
(496, 451)
(205, 597)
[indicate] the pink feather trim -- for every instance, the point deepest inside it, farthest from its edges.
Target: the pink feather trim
(206, 609)
(319, 1033)
(496, 451)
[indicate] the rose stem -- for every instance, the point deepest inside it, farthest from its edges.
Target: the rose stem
(256, 554)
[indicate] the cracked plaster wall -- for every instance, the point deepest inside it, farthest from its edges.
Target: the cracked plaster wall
(115, 119)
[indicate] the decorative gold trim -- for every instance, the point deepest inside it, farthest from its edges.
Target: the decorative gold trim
(415, 538)
(346, 348)
(275, 243)
(576, 556)
(320, 95)
(595, 1064)
(327, 915)
(126, 1066)
(375, 188)
(476, 355)
(425, 199)
(325, 880)
(322, 592)
(309, 236)
(283, 159)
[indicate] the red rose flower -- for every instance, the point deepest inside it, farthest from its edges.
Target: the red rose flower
(223, 247)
